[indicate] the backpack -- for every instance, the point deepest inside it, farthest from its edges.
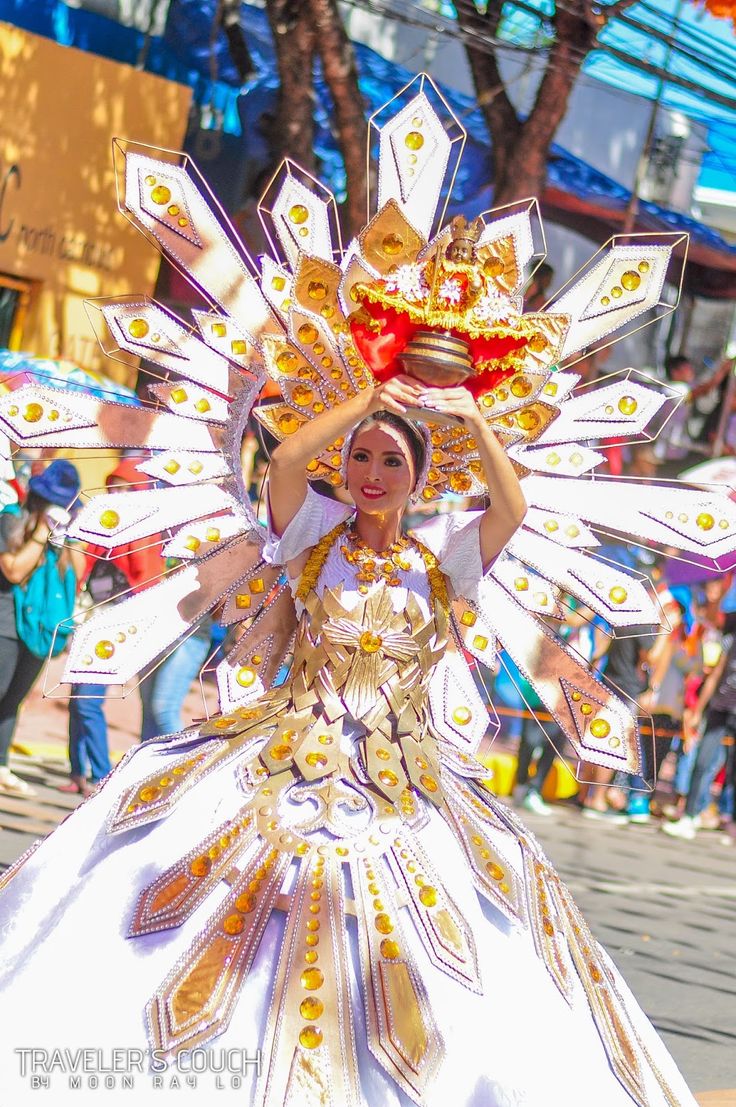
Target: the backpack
(106, 581)
(44, 602)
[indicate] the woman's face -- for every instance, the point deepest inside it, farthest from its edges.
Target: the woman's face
(380, 471)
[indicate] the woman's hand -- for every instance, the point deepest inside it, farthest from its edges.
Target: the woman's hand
(451, 401)
(398, 394)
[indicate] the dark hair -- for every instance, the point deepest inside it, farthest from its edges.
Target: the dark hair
(675, 361)
(413, 437)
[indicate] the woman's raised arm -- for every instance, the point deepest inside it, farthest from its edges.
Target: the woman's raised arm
(508, 507)
(287, 478)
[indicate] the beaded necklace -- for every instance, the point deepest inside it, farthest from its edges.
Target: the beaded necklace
(320, 553)
(358, 553)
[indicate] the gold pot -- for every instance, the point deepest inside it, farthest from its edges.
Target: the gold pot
(437, 359)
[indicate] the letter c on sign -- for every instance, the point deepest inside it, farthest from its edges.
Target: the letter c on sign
(14, 171)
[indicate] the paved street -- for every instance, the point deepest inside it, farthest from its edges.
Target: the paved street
(664, 910)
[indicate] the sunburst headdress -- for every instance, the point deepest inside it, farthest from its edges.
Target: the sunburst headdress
(325, 323)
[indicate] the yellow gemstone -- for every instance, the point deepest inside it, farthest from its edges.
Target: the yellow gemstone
(468, 618)
(316, 760)
(104, 649)
(12, 410)
(586, 709)
(192, 543)
(460, 482)
(287, 423)
(392, 244)
(298, 214)
(551, 525)
(307, 334)
(172, 467)
(246, 676)
(325, 739)
(414, 140)
(316, 290)
(370, 642)
(138, 328)
(383, 924)
(212, 534)
(161, 194)
(32, 413)
(724, 524)
(428, 782)
(630, 280)
(202, 406)
(643, 267)
(705, 521)
(287, 362)
(528, 420)
(521, 584)
(178, 395)
(312, 979)
(302, 395)
(572, 531)
(576, 696)
(537, 344)
(310, 1037)
(382, 754)
(149, 793)
(618, 594)
(521, 387)
(428, 895)
(311, 1007)
(548, 927)
(493, 267)
(388, 778)
(389, 949)
(599, 728)
(462, 715)
(246, 902)
(195, 468)
(627, 405)
(480, 642)
(281, 752)
(495, 871)
(109, 519)
(200, 866)
(234, 924)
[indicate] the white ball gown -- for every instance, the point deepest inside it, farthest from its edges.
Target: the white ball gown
(313, 900)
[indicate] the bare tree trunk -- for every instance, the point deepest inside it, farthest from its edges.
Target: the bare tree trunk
(292, 131)
(341, 74)
(520, 148)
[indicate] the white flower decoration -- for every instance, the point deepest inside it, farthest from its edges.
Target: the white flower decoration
(409, 280)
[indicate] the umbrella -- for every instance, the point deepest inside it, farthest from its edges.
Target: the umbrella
(60, 374)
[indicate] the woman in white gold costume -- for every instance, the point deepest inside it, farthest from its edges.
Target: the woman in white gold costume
(317, 873)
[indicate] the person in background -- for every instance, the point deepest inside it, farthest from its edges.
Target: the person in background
(669, 661)
(164, 690)
(687, 424)
(624, 672)
(717, 705)
(49, 496)
(109, 574)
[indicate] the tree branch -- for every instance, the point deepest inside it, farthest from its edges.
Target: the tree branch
(351, 130)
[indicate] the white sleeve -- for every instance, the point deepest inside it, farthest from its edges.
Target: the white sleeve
(315, 518)
(454, 539)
